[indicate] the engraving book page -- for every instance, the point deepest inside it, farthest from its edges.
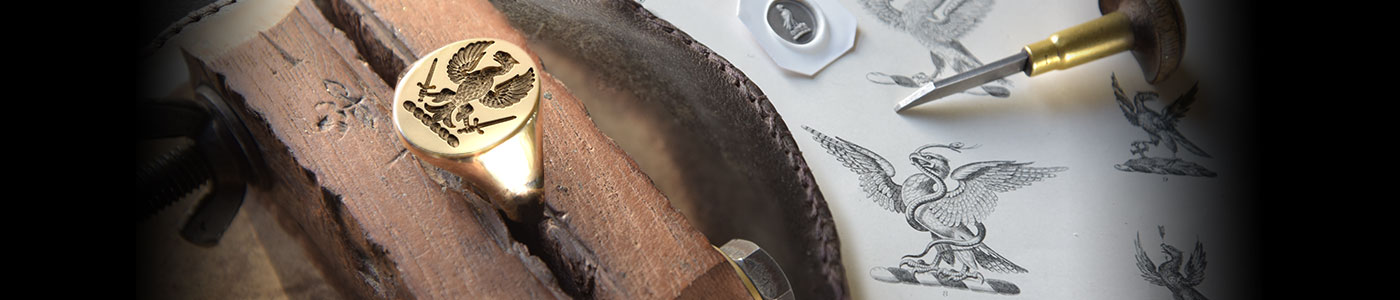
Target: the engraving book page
(1085, 183)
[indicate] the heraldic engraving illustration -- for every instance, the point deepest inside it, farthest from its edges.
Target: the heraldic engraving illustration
(449, 112)
(938, 24)
(1180, 278)
(949, 204)
(1161, 131)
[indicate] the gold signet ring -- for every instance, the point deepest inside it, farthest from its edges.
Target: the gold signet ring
(470, 108)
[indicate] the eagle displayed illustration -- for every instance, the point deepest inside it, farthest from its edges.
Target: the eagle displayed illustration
(448, 108)
(1161, 131)
(1180, 278)
(1160, 126)
(947, 203)
(937, 24)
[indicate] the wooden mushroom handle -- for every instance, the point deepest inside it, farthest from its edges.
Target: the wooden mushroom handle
(1160, 29)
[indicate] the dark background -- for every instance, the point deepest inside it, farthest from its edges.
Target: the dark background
(1304, 180)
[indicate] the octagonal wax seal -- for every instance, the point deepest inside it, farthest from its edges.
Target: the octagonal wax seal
(802, 36)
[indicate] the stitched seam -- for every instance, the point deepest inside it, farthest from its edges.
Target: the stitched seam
(175, 28)
(816, 203)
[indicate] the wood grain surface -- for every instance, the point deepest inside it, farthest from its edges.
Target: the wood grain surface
(612, 233)
(381, 224)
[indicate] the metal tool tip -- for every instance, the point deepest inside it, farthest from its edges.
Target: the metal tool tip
(899, 107)
(914, 98)
(965, 80)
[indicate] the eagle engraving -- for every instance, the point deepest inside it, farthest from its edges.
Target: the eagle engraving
(1160, 127)
(1180, 279)
(449, 111)
(938, 25)
(949, 204)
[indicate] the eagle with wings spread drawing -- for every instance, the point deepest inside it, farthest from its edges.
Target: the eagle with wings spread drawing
(949, 204)
(938, 25)
(1161, 130)
(1180, 279)
(1159, 125)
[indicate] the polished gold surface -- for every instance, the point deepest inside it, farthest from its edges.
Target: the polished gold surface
(470, 108)
(1107, 35)
(467, 97)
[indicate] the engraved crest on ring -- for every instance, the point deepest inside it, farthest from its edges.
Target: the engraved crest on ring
(448, 112)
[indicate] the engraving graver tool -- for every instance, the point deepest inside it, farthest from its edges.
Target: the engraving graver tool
(1153, 29)
(481, 124)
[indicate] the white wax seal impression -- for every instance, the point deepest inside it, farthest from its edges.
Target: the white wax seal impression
(802, 36)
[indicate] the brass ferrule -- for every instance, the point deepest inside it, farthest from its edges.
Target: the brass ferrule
(1107, 35)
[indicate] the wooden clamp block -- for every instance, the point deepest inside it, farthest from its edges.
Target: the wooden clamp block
(316, 88)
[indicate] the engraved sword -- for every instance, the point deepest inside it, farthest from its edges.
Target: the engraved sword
(427, 83)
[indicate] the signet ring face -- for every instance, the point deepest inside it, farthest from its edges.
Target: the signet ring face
(470, 108)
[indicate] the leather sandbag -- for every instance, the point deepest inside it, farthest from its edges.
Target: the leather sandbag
(706, 135)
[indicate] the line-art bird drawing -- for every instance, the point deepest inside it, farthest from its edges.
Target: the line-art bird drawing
(937, 24)
(1160, 126)
(1180, 278)
(947, 203)
(1161, 131)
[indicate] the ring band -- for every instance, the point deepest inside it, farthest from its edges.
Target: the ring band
(471, 108)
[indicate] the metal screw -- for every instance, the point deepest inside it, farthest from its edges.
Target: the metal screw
(759, 268)
(223, 152)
